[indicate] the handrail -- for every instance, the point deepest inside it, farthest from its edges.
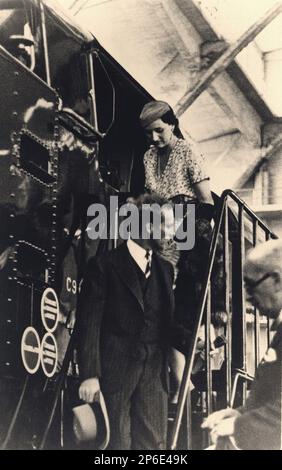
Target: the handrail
(230, 193)
(239, 374)
(77, 124)
(45, 42)
(202, 303)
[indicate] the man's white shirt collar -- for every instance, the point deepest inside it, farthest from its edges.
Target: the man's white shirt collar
(138, 254)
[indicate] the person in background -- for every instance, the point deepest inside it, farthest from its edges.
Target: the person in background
(257, 425)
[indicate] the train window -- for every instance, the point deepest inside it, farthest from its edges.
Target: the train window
(18, 31)
(12, 20)
(34, 158)
(69, 78)
(68, 67)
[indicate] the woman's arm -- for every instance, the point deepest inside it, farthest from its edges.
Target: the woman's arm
(203, 192)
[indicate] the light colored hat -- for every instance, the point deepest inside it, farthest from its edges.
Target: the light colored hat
(152, 111)
(91, 423)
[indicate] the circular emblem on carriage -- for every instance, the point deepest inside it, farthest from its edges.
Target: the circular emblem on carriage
(31, 350)
(49, 354)
(50, 310)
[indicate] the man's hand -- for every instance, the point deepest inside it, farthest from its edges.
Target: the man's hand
(89, 389)
(215, 418)
(223, 429)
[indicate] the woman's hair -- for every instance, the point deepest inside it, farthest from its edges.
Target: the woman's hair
(170, 118)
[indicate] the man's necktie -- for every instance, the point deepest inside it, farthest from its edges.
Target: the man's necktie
(148, 265)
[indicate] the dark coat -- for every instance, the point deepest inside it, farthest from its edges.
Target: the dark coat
(260, 426)
(111, 316)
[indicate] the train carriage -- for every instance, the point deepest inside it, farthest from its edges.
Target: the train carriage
(69, 137)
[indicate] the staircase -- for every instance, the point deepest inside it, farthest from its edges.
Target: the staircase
(242, 340)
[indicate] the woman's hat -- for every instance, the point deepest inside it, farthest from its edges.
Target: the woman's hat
(91, 423)
(152, 111)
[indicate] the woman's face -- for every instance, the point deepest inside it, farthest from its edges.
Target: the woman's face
(159, 133)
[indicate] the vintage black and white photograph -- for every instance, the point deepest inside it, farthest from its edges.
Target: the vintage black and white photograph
(140, 225)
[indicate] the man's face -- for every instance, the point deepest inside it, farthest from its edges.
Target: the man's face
(261, 291)
(167, 229)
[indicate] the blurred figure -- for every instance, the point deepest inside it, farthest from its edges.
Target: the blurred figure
(22, 48)
(257, 425)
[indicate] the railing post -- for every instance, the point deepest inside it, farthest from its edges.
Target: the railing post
(238, 297)
(208, 351)
(257, 317)
(228, 349)
(188, 412)
(242, 296)
(267, 237)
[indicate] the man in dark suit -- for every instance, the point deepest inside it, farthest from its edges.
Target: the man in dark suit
(258, 424)
(126, 329)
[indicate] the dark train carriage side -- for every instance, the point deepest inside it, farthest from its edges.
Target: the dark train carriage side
(69, 136)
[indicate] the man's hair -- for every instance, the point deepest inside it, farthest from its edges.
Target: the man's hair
(266, 256)
(152, 202)
(148, 198)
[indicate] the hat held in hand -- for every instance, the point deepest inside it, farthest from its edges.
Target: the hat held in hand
(91, 423)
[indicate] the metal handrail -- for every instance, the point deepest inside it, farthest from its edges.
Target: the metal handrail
(240, 374)
(222, 208)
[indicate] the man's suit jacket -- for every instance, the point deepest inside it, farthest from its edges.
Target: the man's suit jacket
(260, 425)
(111, 316)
